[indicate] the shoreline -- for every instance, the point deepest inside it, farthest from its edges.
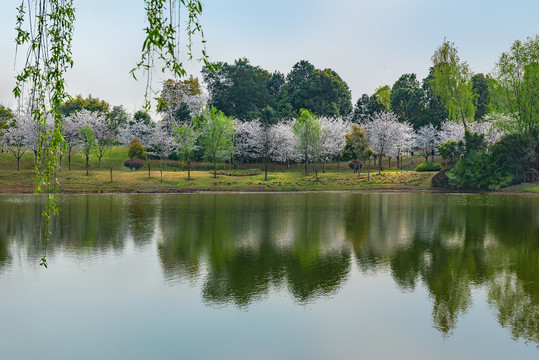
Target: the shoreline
(374, 190)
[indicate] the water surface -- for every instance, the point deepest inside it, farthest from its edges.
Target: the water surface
(268, 276)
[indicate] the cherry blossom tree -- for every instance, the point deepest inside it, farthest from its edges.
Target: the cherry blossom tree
(283, 142)
(332, 138)
(427, 139)
(403, 143)
(162, 141)
(14, 139)
(139, 130)
(72, 126)
(382, 132)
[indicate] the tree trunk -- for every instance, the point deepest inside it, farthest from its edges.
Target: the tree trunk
(432, 157)
(389, 165)
(368, 171)
(379, 165)
(18, 164)
(214, 168)
(87, 160)
(338, 162)
(69, 160)
(324, 167)
(188, 169)
(265, 169)
(149, 171)
(99, 164)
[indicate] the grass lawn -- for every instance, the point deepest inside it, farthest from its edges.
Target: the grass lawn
(175, 178)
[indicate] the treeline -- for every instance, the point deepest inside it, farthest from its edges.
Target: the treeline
(452, 112)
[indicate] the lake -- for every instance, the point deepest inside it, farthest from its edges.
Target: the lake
(271, 276)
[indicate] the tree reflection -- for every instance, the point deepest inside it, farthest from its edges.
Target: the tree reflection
(240, 248)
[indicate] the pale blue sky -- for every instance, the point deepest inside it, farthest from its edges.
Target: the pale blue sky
(369, 43)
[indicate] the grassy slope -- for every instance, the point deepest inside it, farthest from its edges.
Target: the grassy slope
(176, 180)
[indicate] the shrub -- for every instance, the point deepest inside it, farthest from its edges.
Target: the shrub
(134, 164)
(478, 171)
(136, 150)
(238, 172)
(354, 164)
(429, 166)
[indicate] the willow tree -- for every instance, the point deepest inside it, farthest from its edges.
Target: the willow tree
(453, 83)
(45, 30)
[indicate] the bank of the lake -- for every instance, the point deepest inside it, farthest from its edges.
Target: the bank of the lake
(176, 181)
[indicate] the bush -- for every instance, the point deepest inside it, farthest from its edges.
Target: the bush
(354, 165)
(478, 171)
(429, 166)
(134, 164)
(238, 172)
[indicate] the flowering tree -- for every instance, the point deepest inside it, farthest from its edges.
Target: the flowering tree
(248, 139)
(162, 141)
(283, 142)
(403, 143)
(14, 139)
(140, 130)
(427, 139)
(332, 139)
(104, 134)
(382, 132)
(72, 126)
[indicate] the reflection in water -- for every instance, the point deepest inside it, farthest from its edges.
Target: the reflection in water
(240, 248)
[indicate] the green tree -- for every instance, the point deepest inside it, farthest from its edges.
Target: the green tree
(136, 150)
(481, 91)
(366, 107)
(357, 146)
(117, 117)
(448, 150)
(242, 90)
(408, 100)
(452, 83)
(517, 75)
(383, 94)
(433, 111)
(186, 138)
(87, 138)
(142, 116)
(217, 133)
(322, 92)
(6, 118)
(78, 103)
(307, 131)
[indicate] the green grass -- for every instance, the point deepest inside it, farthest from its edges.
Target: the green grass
(175, 178)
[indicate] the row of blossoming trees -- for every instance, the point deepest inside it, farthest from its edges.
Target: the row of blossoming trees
(211, 135)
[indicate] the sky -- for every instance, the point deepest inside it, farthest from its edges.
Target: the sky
(368, 43)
